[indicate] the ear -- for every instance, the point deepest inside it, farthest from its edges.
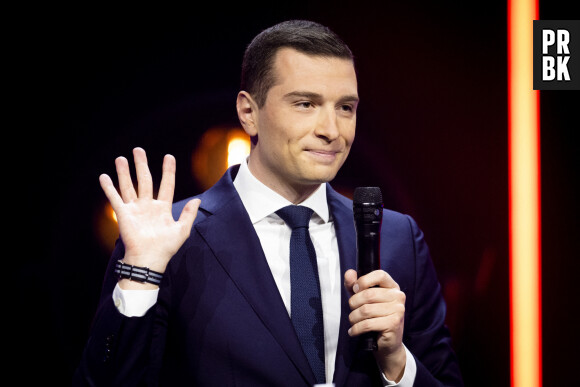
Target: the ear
(247, 112)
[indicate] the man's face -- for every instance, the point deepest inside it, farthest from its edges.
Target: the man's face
(307, 125)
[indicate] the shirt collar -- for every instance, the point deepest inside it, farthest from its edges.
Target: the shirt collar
(261, 201)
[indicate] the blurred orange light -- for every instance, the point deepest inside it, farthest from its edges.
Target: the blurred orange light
(106, 227)
(524, 198)
(238, 150)
(112, 213)
(217, 150)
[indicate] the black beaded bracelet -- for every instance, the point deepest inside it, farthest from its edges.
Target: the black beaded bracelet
(136, 273)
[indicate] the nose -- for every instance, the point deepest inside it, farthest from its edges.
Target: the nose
(327, 125)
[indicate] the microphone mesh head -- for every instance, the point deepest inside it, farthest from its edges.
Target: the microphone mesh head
(367, 195)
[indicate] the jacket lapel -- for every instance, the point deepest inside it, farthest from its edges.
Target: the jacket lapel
(346, 237)
(230, 235)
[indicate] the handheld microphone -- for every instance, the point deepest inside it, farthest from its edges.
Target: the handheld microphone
(368, 218)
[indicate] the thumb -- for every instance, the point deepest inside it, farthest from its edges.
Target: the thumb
(350, 278)
(189, 213)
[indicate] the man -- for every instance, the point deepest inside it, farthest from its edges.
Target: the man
(222, 305)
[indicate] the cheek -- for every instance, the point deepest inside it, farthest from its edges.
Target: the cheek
(349, 137)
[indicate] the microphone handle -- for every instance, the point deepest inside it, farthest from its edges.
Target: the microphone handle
(368, 243)
(368, 341)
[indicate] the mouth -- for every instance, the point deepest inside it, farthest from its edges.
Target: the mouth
(323, 156)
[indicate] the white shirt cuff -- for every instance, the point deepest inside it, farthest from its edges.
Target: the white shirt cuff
(408, 375)
(134, 303)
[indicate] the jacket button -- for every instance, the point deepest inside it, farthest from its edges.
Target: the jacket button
(108, 348)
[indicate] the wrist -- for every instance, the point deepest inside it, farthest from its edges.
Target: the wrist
(136, 274)
(127, 284)
(152, 262)
(393, 364)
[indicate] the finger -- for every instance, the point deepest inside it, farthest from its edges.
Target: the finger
(378, 278)
(188, 215)
(110, 191)
(371, 311)
(125, 183)
(350, 277)
(144, 179)
(376, 295)
(378, 324)
(167, 186)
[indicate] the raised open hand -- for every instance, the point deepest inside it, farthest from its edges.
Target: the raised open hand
(150, 234)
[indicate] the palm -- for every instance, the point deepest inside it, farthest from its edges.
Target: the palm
(147, 226)
(150, 234)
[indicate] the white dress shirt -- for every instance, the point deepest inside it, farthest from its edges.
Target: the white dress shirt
(261, 203)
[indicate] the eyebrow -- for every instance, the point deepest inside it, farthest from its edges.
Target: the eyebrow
(318, 97)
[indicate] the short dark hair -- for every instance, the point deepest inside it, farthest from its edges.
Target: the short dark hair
(304, 36)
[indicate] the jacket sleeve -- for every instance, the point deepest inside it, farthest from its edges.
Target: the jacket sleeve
(119, 351)
(426, 335)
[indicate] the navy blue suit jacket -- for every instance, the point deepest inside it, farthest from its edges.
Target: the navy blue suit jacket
(220, 320)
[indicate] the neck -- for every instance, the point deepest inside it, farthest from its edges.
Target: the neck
(296, 195)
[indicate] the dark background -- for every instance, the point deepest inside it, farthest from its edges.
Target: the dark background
(93, 82)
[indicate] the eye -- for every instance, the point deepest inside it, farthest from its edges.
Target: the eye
(347, 108)
(304, 104)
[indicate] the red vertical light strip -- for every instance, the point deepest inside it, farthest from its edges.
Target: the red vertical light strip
(539, 230)
(524, 198)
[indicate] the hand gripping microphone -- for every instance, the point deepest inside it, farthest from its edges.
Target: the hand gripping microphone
(368, 217)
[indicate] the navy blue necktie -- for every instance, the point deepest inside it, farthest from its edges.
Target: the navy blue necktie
(306, 305)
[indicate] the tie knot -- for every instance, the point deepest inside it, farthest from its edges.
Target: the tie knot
(295, 216)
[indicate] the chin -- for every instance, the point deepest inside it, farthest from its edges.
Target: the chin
(325, 174)
(321, 178)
